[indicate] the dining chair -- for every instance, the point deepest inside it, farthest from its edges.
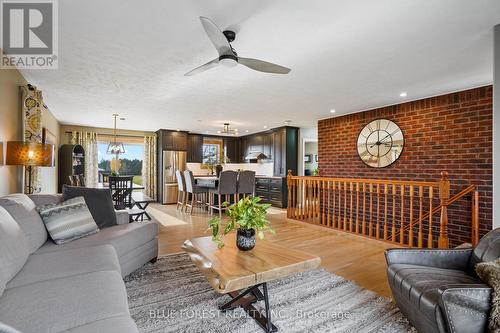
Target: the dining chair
(121, 188)
(181, 194)
(197, 193)
(228, 186)
(246, 184)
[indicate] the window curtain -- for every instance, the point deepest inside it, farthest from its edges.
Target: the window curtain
(149, 167)
(88, 140)
(32, 122)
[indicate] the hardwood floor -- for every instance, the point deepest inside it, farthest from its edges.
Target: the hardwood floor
(353, 257)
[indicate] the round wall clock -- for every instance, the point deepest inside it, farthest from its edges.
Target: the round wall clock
(380, 143)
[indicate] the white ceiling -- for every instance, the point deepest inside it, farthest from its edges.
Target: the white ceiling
(129, 57)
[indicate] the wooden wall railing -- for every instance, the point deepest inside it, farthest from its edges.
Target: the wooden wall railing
(397, 211)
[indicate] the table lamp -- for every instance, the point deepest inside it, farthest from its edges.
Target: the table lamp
(30, 154)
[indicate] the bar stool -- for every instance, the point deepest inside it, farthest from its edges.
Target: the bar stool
(228, 183)
(181, 193)
(246, 183)
(195, 192)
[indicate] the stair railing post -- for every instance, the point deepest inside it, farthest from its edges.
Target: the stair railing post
(289, 185)
(444, 196)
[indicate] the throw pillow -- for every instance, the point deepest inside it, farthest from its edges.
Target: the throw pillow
(68, 220)
(98, 200)
(489, 272)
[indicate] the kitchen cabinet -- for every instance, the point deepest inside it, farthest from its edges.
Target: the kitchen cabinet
(232, 149)
(286, 143)
(173, 140)
(195, 148)
(272, 190)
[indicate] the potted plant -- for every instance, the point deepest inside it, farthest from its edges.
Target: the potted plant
(248, 217)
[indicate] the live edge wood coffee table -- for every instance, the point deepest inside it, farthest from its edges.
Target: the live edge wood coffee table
(240, 274)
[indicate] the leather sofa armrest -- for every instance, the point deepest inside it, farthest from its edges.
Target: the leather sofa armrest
(466, 307)
(446, 258)
(122, 217)
(45, 199)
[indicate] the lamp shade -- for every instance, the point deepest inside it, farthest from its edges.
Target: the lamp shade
(116, 148)
(29, 154)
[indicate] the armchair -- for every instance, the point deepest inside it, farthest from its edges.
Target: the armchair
(438, 290)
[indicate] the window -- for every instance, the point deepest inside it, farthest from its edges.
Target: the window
(212, 151)
(129, 164)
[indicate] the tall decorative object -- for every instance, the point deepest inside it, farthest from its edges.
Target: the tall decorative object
(116, 148)
(88, 140)
(32, 107)
(149, 166)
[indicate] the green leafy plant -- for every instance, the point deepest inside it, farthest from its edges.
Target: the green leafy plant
(248, 213)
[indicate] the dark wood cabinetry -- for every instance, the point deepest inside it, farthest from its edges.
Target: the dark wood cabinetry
(195, 148)
(272, 190)
(71, 163)
(173, 140)
(232, 149)
(286, 144)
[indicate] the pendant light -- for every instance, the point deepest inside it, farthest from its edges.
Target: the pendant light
(115, 147)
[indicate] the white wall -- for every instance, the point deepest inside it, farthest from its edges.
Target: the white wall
(304, 134)
(496, 128)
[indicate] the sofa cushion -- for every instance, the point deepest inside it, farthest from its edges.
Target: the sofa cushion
(124, 238)
(22, 209)
(98, 200)
(14, 248)
(68, 220)
(59, 264)
(110, 325)
(420, 285)
(489, 272)
(65, 303)
(487, 249)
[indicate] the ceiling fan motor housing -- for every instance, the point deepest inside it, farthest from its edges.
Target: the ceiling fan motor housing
(228, 60)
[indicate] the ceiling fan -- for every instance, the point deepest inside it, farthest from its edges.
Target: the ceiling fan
(228, 56)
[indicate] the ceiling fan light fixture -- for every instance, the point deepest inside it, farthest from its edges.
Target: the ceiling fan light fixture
(228, 62)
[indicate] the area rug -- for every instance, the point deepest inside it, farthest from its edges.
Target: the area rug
(172, 295)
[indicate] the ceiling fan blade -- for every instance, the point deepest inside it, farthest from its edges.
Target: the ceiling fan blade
(216, 36)
(204, 67)
(263, 66)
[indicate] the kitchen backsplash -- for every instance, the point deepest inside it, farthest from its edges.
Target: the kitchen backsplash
(263, 169)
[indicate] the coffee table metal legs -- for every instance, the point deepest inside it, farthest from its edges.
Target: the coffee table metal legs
(246, 298)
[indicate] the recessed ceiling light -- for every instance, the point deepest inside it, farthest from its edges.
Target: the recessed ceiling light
(177, 130)
(287, 122)
(247, 131)
(403, 94)
(265, 126)
(332, 111)
(218, 132)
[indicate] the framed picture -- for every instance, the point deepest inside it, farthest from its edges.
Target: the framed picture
(307, 158)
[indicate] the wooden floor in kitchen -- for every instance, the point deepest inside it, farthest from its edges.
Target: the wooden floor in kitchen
(354, 257)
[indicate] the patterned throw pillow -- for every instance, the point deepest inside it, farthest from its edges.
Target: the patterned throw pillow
(68, 220)
(489, 272)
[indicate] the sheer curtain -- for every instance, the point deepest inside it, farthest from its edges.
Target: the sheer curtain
(88, 140)
(149, 167)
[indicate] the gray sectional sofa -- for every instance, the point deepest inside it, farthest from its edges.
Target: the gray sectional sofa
(73, 287)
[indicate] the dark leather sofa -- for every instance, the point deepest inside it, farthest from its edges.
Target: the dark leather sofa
(438, 290)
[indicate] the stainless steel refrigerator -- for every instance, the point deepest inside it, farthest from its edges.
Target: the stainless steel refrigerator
(172, 161)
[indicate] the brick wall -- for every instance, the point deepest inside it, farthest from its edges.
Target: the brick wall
(451, 132)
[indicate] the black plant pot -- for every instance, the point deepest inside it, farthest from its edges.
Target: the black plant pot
(245, 239)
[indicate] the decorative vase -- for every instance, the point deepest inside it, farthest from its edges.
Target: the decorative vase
(245, 239)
